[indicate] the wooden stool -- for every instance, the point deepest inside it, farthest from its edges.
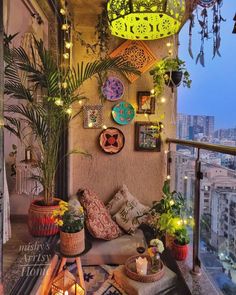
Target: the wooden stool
(79, 269)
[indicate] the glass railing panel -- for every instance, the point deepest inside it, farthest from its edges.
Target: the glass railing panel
(218, 225)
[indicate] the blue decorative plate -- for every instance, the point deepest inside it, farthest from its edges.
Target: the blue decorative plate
(113, 89)
(123, 113)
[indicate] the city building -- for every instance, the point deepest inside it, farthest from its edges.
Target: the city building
(195, 127)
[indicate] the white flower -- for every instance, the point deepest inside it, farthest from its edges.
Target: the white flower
(157, 243)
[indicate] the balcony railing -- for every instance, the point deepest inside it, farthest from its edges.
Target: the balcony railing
(210, 191)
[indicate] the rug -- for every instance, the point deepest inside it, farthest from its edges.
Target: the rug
(99, 280)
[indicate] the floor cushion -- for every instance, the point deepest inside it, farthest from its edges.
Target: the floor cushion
(113, 252)
(98, 220)
(163, 286)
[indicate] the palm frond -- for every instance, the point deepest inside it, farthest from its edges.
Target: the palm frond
(18, 90)
(13, 125)
(85, 71)
(35, 117)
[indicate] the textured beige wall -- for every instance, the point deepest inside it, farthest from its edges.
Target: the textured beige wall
(142, 172)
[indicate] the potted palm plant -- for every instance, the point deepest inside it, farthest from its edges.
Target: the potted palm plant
(180, 245)
(38, 74)
(170, 72)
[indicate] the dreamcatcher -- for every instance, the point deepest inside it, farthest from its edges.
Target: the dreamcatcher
(203, 10)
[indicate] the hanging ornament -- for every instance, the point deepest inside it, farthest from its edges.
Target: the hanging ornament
(206, 3)
(206, 31)
(145, 20)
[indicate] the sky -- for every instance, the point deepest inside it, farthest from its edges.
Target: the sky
(213, 90)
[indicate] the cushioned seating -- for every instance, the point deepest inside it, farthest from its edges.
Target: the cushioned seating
(116, 251)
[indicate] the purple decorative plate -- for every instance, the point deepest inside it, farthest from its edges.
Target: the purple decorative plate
(113, 89)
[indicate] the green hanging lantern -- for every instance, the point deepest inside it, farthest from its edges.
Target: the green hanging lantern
(145, 19)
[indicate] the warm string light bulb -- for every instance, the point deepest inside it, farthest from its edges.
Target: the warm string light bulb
(59, 102)
(69, 111)
(90, 125)
(68, 45)
(152, 91)
(62, 11)
(104, 127)
(65, 27)
(64, 85)
(168, 44)
(163, 100)
(66, 55)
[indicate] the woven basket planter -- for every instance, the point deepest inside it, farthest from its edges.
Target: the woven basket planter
(40, 221)
(72, 244)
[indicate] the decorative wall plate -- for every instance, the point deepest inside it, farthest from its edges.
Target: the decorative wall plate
(113, 89)
(123, 113)
(112, 140)
(138, 54)
(206, 3)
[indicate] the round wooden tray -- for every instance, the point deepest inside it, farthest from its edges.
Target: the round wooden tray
(130, 269)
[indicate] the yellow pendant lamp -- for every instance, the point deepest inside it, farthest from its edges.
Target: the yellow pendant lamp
(145, 19)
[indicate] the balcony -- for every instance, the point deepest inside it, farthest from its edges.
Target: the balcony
(214, 252)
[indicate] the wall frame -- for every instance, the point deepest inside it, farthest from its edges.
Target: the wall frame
(147, 136)
(93, 116)
(146, 102)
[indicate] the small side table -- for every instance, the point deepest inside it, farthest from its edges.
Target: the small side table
(88, 246)
(79, 269)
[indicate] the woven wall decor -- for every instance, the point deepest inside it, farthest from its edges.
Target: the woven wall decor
(138, 54)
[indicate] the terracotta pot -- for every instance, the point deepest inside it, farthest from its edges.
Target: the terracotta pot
(40, 222)
(180, 252)
(72, 244)
(168, 241)
(173, 79)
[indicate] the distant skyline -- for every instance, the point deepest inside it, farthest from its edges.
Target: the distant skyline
(213, 90)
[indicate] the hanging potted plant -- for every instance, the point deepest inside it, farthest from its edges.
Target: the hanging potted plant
(170, 72)
(27, 76)
(70, 219)
(180, 244)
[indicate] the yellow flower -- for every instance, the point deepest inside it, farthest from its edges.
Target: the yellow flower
(150, 252)
(60, 223)
(55, 213)
(81, 209)
(63, 204)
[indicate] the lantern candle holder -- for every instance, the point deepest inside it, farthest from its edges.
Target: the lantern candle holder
(65, 283)
(145, 20)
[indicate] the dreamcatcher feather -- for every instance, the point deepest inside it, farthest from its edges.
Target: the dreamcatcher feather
(202, 15)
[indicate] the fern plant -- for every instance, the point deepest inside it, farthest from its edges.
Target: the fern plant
(27, 76)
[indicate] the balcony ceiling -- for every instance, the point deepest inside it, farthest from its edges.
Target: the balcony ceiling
(86, 6)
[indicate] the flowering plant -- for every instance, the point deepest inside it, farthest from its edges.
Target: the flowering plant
(70, 216)
(156, 246)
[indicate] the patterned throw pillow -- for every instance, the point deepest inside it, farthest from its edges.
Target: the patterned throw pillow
(119, 199)
(98, 219)
(126, 217)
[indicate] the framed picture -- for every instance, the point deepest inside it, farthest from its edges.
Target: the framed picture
(147, 136)
(146, 103)
(93, 116)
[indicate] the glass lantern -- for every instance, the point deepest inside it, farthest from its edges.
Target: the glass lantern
(65, 284)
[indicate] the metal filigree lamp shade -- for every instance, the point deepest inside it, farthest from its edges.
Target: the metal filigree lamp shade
(145, 19)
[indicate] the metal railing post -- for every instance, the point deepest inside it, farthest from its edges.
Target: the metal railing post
(196, 232)
(1, 145)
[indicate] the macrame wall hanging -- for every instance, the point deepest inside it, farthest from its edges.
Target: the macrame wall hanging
(205, 10)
